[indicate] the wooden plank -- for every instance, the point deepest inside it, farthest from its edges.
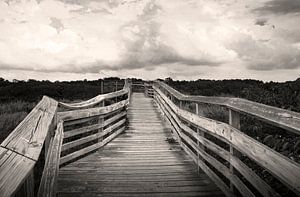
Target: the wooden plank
(28, 137)
(90, 148)
(234, 121)
(253, 178)
(209, 172)
(138, 161)
(96, 100)
(78, 121)
(15, 168)
(91, 137)
(84, 113)
(240, 186)
(285, 119)
(283, 168)
(81, 130)
(219, 166)
(47, 186)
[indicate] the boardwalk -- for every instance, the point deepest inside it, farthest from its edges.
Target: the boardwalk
(139, 162)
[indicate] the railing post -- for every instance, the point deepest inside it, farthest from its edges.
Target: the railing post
(116, 90)
(50, 134)
(200, 133)
(234, 121)
(101, 121)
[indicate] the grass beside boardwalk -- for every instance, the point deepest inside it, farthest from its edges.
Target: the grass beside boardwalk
(11, 114)
(18, 98)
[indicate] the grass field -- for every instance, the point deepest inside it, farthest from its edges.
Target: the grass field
(11, 114)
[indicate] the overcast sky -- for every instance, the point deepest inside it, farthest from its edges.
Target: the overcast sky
(183, 39)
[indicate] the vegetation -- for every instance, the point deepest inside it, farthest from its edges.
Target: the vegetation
(283, 95)
(17, 98)
(11, 114)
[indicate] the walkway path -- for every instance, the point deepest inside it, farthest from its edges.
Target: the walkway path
(139, 162)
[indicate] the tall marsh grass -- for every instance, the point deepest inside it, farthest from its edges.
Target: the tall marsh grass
(11, 114)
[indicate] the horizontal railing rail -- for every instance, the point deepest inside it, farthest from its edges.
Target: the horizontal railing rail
(217, 147)
(98, 99)
(65, 132)
(21, 150)
(285, 119)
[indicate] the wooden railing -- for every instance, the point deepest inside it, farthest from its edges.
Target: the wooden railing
(149, 92)
(56, 133)
(217, 147)
(145, 87)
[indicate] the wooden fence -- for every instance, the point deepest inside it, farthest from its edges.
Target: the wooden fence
(55, 133)
(221, 161)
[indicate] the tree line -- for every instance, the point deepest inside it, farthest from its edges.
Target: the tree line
(284, 95)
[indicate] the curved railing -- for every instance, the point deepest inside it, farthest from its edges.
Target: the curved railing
(55, 133)
(217, 147)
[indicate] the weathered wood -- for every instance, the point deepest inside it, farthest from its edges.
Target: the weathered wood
(78, 121)
(209, 172)
(48, 181)
(84, 113)
(88, 149)
(15, 168)
(283, 168)
(27, 188)
(82, 130)
(139, 162)
(285, 119)
(234, 121)
(91, 137)
(28, 137)
(21, 149)
(96, 100)
(219, 166)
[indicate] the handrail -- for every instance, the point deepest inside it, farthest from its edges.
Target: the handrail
(20, 151)
(96, 100)
(286, 170)
(285, 119)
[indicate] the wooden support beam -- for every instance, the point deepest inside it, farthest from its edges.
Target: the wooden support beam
(234, 121)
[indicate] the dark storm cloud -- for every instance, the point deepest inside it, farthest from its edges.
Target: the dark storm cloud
(280, 7)
(264, 55)
(261, 21)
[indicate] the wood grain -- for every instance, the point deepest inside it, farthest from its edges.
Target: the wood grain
(283, 168)
(139, 162)
(96, 100)
(97, 111)
(49, 177)
(15, 168)
(28, 137)
(285, 119)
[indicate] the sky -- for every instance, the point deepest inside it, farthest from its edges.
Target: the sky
(181, 39)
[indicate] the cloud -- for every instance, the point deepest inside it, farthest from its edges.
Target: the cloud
(144, 47)
(280, 7)
(132, 36)
(261, 21)
(57, 24)
(269, 55)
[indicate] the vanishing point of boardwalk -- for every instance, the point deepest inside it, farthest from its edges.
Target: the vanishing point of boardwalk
(139, 162)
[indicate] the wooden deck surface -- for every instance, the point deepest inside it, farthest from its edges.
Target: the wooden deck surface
(139, 162)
